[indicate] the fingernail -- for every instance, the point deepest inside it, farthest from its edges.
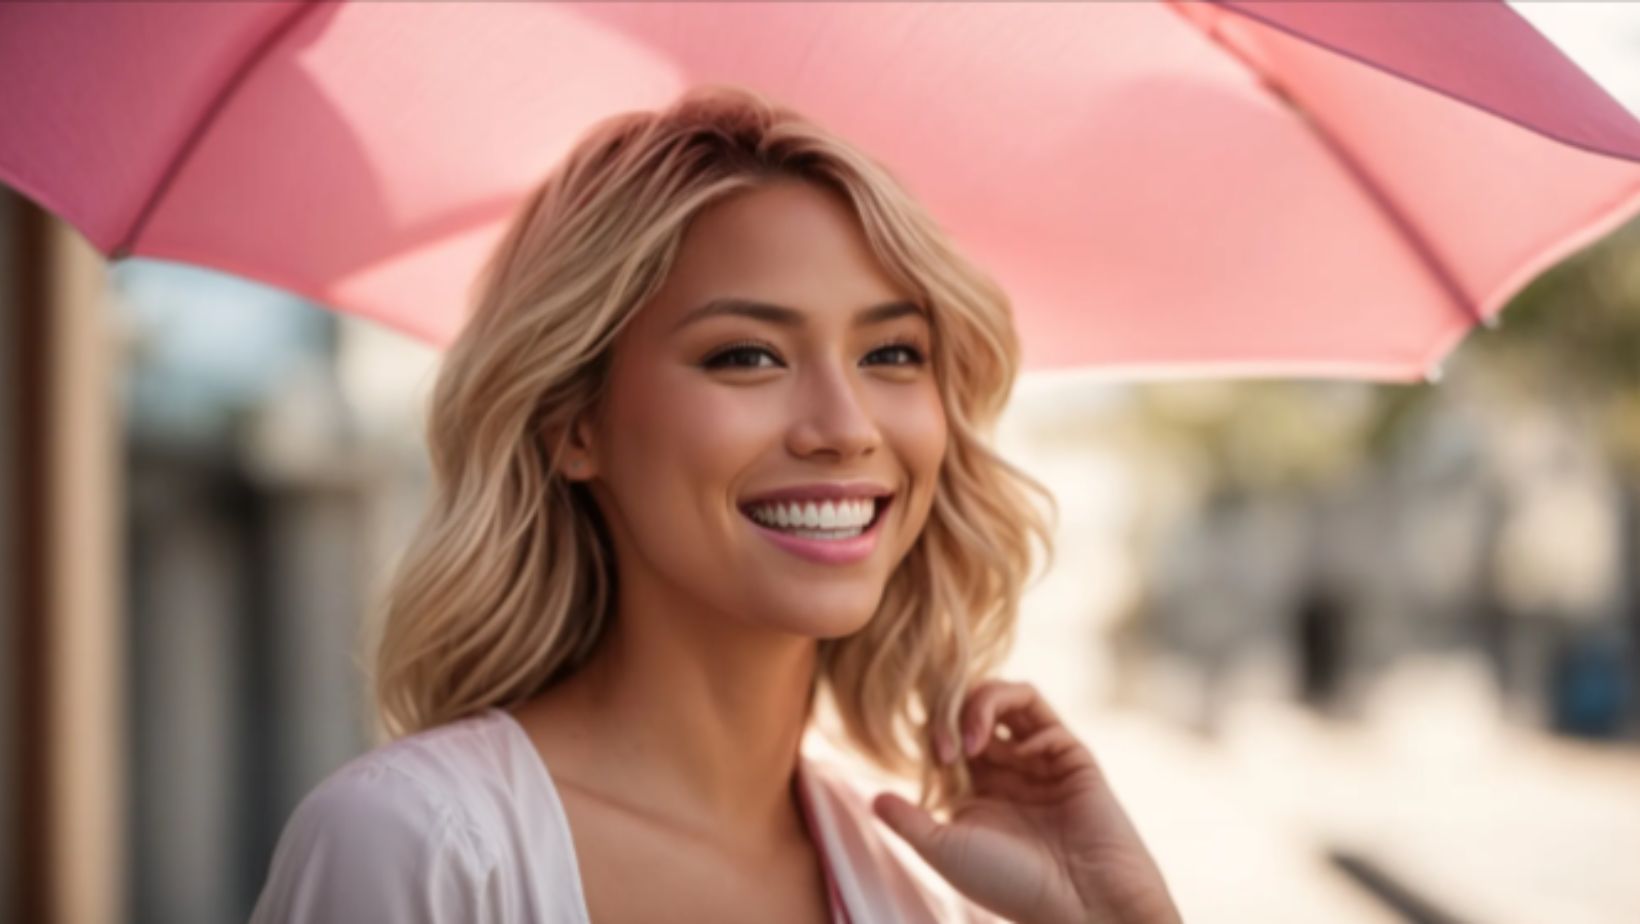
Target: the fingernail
(970, 742)
(946, 750)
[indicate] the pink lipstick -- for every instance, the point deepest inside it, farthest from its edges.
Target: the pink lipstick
(828, 551)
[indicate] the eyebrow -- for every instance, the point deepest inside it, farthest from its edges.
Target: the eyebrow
(790, 317)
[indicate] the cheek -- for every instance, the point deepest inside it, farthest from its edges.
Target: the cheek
(918, 438)
(921, 437)
(702, 429)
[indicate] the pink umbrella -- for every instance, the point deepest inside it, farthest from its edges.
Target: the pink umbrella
(1339, 189)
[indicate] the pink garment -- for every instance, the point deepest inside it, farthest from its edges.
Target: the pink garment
(462, 822)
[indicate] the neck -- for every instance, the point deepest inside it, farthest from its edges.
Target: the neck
(697, 719)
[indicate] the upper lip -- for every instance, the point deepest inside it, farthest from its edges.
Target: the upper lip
(819, 491)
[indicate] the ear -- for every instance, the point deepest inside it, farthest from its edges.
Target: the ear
(580, 456)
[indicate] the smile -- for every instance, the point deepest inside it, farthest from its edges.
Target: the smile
(831, 534)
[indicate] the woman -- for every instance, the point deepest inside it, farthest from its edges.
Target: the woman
(710, 445)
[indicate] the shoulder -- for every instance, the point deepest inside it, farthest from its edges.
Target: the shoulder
(442, 782)
(392, 835)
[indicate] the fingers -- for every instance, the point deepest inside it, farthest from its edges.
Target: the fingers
(1038, 758)
(1015, 704)
(996, 773)
(918, 828)
(1039, 749)
(1012, 738)
(1047, 742)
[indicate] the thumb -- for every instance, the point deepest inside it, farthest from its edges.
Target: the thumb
(912, 823)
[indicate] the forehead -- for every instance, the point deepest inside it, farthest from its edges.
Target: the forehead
(789, 242)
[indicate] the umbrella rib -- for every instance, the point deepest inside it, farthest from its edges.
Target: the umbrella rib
(208, 117)
(1363, 177)
(1620, 148)
(1392, 210)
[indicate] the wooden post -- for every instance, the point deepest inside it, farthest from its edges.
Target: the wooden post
(65, 665)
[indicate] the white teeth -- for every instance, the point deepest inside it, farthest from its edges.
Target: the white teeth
(850, 514)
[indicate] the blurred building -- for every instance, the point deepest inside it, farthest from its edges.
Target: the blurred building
(205, 479)
(1473, 516)
(264, 501)
(1499, 529)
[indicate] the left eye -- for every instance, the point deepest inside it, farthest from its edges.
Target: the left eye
(914, 357)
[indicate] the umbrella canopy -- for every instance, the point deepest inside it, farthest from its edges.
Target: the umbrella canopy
(1336, 189)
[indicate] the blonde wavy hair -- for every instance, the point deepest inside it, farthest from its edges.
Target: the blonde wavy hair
(506, 585)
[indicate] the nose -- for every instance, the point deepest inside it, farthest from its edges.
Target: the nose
(832, 416)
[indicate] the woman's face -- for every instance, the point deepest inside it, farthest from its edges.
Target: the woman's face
(708, 410)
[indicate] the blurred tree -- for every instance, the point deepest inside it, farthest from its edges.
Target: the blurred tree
(1573, 336)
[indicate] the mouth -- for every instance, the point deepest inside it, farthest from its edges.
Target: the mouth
(763, 517)
(851, 544)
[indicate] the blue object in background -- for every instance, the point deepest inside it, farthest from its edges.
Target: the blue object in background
(1590, 685)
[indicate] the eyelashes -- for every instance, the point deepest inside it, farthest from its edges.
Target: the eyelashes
(756, 347)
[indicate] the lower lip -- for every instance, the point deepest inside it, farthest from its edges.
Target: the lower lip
(827, 551)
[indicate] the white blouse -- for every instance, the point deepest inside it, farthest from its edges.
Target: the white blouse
(462, 822)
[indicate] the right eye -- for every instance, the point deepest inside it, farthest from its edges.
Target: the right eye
(719, 359)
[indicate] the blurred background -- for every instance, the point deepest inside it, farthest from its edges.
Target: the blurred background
(1349, 652)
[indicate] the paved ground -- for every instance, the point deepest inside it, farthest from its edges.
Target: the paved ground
(1503, 825)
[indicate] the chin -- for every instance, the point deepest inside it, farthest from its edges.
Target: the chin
(821, 624)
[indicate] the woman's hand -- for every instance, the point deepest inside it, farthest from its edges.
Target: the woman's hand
(1043, 840)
